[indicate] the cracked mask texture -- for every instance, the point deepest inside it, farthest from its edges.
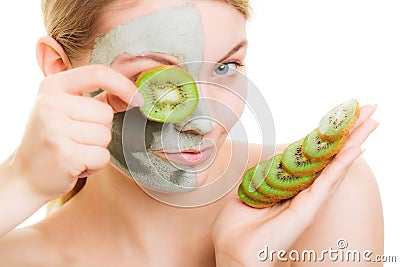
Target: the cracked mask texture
(175, 31)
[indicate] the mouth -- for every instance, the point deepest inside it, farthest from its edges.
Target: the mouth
(186, 157)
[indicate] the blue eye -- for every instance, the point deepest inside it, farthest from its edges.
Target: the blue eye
(227, 68)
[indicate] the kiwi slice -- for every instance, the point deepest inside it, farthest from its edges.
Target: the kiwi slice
(249, 188)
(315, 149)
(283, 176)
(278, 178)
(339, 120)
(170, 94)
(251, 202)
(266, 189)
(295, 163)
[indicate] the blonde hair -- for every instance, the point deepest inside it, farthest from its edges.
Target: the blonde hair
(74, 24)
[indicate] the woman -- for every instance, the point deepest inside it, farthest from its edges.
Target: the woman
(112, 221)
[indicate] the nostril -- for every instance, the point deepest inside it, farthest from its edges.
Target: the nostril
(194, 132)
(196, 126)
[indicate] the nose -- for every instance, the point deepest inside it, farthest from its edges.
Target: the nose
(199, 121)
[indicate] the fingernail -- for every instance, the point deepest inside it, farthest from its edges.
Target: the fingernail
(138, 99)
(374, 107)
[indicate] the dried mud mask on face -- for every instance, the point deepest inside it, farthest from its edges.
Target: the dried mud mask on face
(173, 31)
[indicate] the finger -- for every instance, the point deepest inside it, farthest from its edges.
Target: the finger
(360, 134)
(116, 102)
(305, 205)
(86, 133)
(91, 78)
(92, 157)
(365, 113)
(86, 173)
(85, 109)
(334, 173)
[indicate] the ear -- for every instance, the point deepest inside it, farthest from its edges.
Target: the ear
(51, 56)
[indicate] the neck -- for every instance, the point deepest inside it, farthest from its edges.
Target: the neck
(118, 197)
(115, 201)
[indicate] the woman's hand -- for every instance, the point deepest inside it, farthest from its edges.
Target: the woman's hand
(68, 133)
(240, 231)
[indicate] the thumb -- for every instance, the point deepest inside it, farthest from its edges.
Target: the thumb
(117, 104)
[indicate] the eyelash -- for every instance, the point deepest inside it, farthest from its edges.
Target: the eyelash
(134, 78)
(237, 64)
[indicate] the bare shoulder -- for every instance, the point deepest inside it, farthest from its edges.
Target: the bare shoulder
(28, 247)
(353, 214)
(256, 152)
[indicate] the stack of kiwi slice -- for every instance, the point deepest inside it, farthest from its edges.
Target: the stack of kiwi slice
(283, 176)
(170, 94)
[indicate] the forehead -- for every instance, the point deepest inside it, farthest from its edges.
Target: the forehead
(213, 23)
(177, 31)
(122, 11)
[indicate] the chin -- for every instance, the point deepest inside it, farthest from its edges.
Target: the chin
(201, 178)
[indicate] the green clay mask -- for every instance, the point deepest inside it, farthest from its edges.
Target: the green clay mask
(174, 32)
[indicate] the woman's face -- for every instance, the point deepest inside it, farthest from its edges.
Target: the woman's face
(205, 37)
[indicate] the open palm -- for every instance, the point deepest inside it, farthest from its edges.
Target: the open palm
(240, 231)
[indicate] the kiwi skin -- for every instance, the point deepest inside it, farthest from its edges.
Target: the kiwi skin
(247, 183)
(276, 173)
(343, 135)
(257, 196)
(345, 131)
(253, 203)
(297, 188)
(328, 155)
(276, 196)
(263, 191)
(305, 172)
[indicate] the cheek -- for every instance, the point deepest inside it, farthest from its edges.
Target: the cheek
(225, 107)
(228, 104)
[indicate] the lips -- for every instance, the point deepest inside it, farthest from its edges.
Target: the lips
(192, 157)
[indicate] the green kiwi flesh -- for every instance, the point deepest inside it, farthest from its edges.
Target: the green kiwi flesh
(249, 188)
(295, 163)
(259, 181)
(278, 178)
(315, 149)
(251, 202)
(283, 176)
(338, 121)
(170, 94)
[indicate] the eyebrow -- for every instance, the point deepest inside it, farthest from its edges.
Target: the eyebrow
(161, 59)
(165, 61)
(153, 57)
(234, 50)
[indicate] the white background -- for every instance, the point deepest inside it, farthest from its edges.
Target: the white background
(305, 56)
